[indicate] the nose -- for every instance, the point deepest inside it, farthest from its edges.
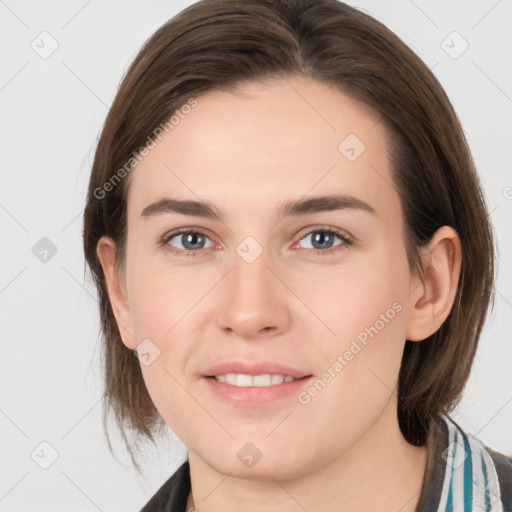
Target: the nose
(254, 301)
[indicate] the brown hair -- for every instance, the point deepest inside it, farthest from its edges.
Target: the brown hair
(217, 44)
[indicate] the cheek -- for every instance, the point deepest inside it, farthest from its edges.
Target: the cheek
(364, 299)
(162, 297)
(362, 364)
(365, 310)
(167, 306)
(169, 393)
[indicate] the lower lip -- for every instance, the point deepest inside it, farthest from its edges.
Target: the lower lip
(255, 396)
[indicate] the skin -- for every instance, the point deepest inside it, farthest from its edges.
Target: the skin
(247, 154)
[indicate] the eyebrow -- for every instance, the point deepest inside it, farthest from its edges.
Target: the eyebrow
(295, 207)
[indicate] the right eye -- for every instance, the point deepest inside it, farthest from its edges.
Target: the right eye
(186, 242)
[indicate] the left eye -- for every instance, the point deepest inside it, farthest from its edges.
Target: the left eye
(323, 239)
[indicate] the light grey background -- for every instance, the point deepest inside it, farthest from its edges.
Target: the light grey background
(52, 110)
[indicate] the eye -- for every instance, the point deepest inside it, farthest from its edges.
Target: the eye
(322, 241)
(186, 241)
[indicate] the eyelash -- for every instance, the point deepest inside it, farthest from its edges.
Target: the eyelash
(346, 241)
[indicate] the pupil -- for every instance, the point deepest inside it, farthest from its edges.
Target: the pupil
(322, 239)
(191, 239)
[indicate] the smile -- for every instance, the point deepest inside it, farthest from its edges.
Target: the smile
(244, 381)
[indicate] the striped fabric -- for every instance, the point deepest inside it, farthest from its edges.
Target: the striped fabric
(471, 481)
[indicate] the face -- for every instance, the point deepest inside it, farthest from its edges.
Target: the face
(274, 327)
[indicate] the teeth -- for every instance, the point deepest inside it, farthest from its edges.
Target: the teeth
(242, 380)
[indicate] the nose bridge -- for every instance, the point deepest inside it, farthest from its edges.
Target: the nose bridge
(253, 300)
(250, 274)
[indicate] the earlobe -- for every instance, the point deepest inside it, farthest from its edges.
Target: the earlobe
(434, 293)
(105, 249)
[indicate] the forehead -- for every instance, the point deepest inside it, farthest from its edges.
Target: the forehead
(268, 142)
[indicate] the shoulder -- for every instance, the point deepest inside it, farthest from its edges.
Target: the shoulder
(503, 467)
(172, 495)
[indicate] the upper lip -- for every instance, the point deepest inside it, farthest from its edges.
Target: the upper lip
(254, 368)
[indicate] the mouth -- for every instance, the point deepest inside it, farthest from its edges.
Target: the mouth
(254, 384)
(243, 380)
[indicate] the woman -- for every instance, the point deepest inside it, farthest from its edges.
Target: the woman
(285, 226)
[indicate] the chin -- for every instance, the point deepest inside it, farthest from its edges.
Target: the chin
(261, 462)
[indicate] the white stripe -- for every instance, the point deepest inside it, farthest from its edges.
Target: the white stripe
(458, 474)
(479, 451)
(448, 455)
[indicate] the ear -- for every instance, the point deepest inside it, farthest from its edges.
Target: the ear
(433, 293)
(106, 250)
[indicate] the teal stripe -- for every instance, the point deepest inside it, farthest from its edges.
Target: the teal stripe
(468, 476)
(487, 495)
(449, 501)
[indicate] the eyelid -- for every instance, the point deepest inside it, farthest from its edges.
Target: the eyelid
(343, 234)
(180, 231)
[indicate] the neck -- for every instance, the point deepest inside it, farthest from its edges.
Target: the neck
(380, 472)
